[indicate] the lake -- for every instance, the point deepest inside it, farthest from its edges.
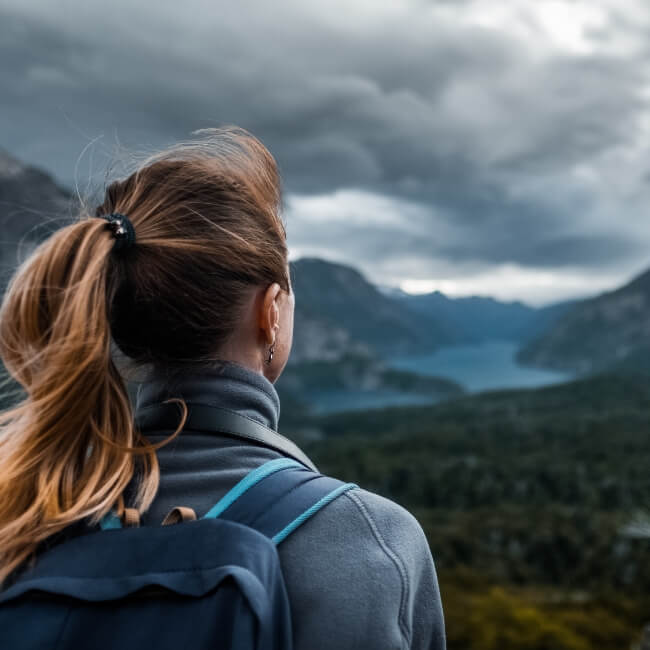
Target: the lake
(333, 401)
(485, 366)
(480, 367)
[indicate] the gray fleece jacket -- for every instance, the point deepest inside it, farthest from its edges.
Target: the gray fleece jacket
(359, 574)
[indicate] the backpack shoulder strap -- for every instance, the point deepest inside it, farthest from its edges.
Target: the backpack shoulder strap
(278, 497)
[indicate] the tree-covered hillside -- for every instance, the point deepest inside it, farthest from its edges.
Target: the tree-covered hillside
(536, 505)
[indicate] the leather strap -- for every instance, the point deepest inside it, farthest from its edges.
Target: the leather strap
(130, 518)
(216, 419)
(179, 514)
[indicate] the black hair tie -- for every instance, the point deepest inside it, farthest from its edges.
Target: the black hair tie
(122, 230)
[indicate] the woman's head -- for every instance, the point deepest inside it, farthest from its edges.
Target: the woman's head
(207, 279)
(209, 236)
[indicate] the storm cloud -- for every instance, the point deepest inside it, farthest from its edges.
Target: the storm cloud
(424, 142)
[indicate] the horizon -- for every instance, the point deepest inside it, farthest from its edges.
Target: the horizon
(449, 287)
(439, 287)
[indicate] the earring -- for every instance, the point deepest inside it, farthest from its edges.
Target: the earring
(271, 350)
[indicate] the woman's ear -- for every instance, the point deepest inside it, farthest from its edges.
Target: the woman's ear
(270, 313)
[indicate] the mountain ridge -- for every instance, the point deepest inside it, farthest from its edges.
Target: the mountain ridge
(607, 330)
(31, 207)
(476, 319)
(340, 298)
(338, 310)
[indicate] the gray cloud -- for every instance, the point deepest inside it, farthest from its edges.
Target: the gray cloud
(521, 150)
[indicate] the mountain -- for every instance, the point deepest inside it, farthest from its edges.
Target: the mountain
(30, 204)
(543, 318)
(612, 329)
(339, 311)
(476, 319)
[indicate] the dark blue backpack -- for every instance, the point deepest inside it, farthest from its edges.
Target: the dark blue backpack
(211, 583)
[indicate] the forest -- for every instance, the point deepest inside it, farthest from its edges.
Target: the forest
(536, 505)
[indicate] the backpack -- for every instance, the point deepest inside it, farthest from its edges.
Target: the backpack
(214, 582)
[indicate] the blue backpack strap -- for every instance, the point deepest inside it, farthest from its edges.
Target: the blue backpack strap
(274, 499)
(277, 497)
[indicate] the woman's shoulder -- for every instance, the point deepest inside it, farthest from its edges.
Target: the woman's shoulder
(360, 518)
(363, 556)
(386, 518)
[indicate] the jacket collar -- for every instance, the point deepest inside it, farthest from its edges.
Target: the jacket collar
(231, 400)
(227, 385)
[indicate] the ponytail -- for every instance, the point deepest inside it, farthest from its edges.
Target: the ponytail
(70, 448)
(209, 230)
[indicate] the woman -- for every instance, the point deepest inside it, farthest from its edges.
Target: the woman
(194, 289)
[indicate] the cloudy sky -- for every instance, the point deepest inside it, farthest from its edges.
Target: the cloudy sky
(472, 146)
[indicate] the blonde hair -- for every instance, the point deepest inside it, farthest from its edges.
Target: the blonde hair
(207, 219)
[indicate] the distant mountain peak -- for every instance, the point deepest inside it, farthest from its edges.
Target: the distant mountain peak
(326, 265)
(639, 282)
(31, 205)
(9, 166)
(391, 292)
